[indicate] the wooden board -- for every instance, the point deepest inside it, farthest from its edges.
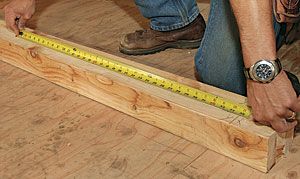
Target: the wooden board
(226, 133)
(50, 132)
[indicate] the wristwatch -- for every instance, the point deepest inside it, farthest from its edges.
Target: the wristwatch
(263, 71)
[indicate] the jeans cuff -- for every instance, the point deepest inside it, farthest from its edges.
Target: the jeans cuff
(176, 26)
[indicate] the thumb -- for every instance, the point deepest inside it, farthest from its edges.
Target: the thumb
(22, 22)
(296, 105)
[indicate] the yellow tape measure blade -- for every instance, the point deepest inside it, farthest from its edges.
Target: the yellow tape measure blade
(133, 72)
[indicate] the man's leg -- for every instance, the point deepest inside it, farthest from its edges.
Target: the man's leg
(166, 15)
(219, 60)
(174, 24)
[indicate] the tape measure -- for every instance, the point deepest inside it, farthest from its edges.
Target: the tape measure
(133, 72)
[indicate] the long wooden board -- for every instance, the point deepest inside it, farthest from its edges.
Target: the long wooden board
(223, 132)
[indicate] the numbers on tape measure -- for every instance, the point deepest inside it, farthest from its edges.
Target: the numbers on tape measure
(139, 74)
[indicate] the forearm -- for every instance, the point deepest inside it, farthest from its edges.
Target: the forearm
(274, 102)
(254, 19)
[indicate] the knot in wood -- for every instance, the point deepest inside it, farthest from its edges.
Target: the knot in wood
(239, 142)
(293, 150)
(33, 52)
(134, 107)
(292, 175)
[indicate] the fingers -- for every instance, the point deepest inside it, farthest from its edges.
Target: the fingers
(281, 125)
(23, 10)
(10, 19)
(15, 21)
(291, 116)
(21, 23)
(296, 106)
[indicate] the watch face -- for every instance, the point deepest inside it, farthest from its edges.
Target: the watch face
(264, 71)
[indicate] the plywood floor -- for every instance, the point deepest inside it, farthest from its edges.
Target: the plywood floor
(49, 132)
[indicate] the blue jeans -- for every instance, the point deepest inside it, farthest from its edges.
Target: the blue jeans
(219, 60)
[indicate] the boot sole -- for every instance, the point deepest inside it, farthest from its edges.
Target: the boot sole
(182, 44)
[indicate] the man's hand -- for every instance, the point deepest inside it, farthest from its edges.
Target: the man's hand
(273, 103)
(17, 12)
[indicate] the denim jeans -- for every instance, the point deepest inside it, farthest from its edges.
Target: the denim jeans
(166, 15)
(219, 60)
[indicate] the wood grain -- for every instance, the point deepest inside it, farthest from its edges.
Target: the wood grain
(50, 132)
(37, 108)
(226, 133)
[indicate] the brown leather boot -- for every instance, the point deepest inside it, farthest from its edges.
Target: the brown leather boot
(144, 42)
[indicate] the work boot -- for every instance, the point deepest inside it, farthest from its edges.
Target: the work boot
(150, 41)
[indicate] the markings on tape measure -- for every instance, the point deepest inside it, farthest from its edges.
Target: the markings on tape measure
(133, 72)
